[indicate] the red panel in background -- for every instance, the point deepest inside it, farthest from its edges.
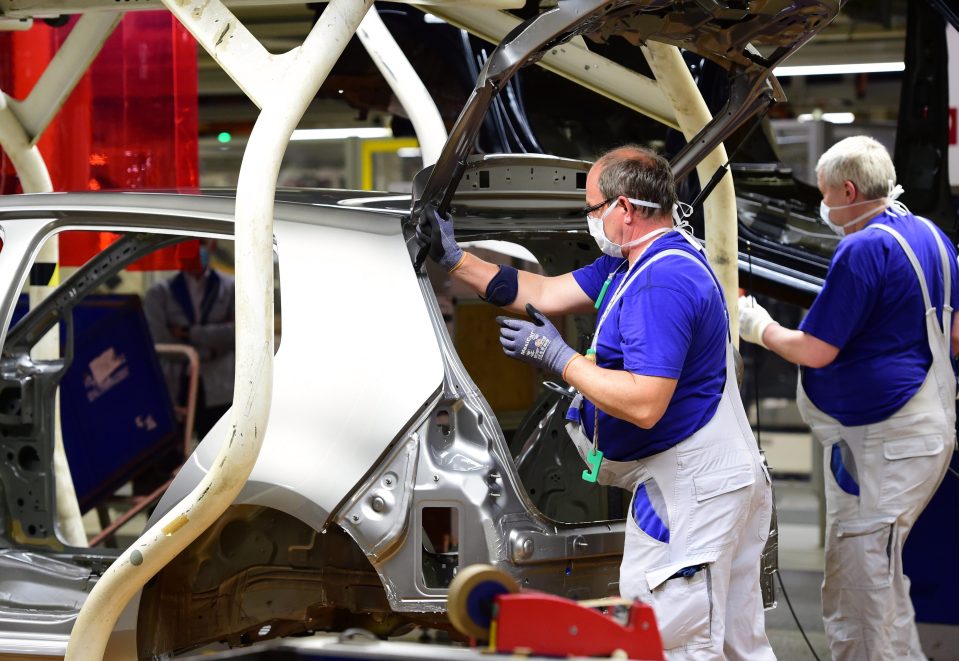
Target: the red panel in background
(131, 122)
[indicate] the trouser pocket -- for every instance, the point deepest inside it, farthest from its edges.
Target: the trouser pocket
(863, 551)
(911, 470)
(683, 606)
(722, 503)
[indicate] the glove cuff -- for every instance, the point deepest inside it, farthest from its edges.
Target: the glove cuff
(568, 363)
(459, 262)
(452, 258)
(562, 358)
(762, 329)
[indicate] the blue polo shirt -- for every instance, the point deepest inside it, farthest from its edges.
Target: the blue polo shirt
(670, 322)
(871, 308)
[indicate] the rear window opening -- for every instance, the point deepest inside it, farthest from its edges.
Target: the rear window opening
(129, 413)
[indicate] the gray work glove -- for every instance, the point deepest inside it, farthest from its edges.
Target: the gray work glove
(753, 320)
(536, 342)
(436, 232)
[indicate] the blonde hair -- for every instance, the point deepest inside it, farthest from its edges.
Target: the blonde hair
(861, 160)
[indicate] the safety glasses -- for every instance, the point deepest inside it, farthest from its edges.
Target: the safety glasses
(589, 210)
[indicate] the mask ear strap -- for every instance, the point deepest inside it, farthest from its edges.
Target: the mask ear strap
(893, 197)
(644, 203)
(681, 211)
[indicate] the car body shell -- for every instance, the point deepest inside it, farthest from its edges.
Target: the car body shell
(374, 418)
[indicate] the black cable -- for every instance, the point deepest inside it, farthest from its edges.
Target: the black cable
(516, 145)
(749, 261)
(796, 617)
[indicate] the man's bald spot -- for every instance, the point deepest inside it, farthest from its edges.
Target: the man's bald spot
(626, 152)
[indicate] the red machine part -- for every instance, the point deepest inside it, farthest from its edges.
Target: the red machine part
(544, 624)
(131, 122)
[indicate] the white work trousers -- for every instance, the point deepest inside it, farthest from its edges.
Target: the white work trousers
(899, 464)
(716, 501)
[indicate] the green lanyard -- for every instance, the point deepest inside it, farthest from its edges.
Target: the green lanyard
(591, 352)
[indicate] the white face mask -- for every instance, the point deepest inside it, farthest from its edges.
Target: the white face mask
(889, 199)
(610, 248)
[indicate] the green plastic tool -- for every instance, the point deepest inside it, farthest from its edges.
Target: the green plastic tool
(602, 292)
(594, 458)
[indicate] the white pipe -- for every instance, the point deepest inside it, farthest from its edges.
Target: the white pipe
(308, 68)
(255, 70)
(26, 158)
(35, 178)
(69, 518)
(406, 85)
(64, 72)
(719, 210)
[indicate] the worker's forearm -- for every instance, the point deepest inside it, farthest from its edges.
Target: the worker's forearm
(785, 342)
(798, 347)
(477, 273)
(636, 399)
(474, 272)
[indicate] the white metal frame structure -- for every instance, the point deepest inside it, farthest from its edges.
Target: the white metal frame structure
(406, 85)
(282, 86)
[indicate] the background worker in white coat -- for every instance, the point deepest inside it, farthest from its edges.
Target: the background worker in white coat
(877, 388)
(660, 412)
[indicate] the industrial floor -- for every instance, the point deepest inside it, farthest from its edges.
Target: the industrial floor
(801, 563)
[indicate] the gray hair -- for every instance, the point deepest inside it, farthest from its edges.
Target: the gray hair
(640, 173)
(861, 160)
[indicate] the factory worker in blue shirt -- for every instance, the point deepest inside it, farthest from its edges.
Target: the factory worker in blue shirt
(878, 390)
(659, 412)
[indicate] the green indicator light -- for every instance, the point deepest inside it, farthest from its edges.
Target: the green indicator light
(224, 137)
